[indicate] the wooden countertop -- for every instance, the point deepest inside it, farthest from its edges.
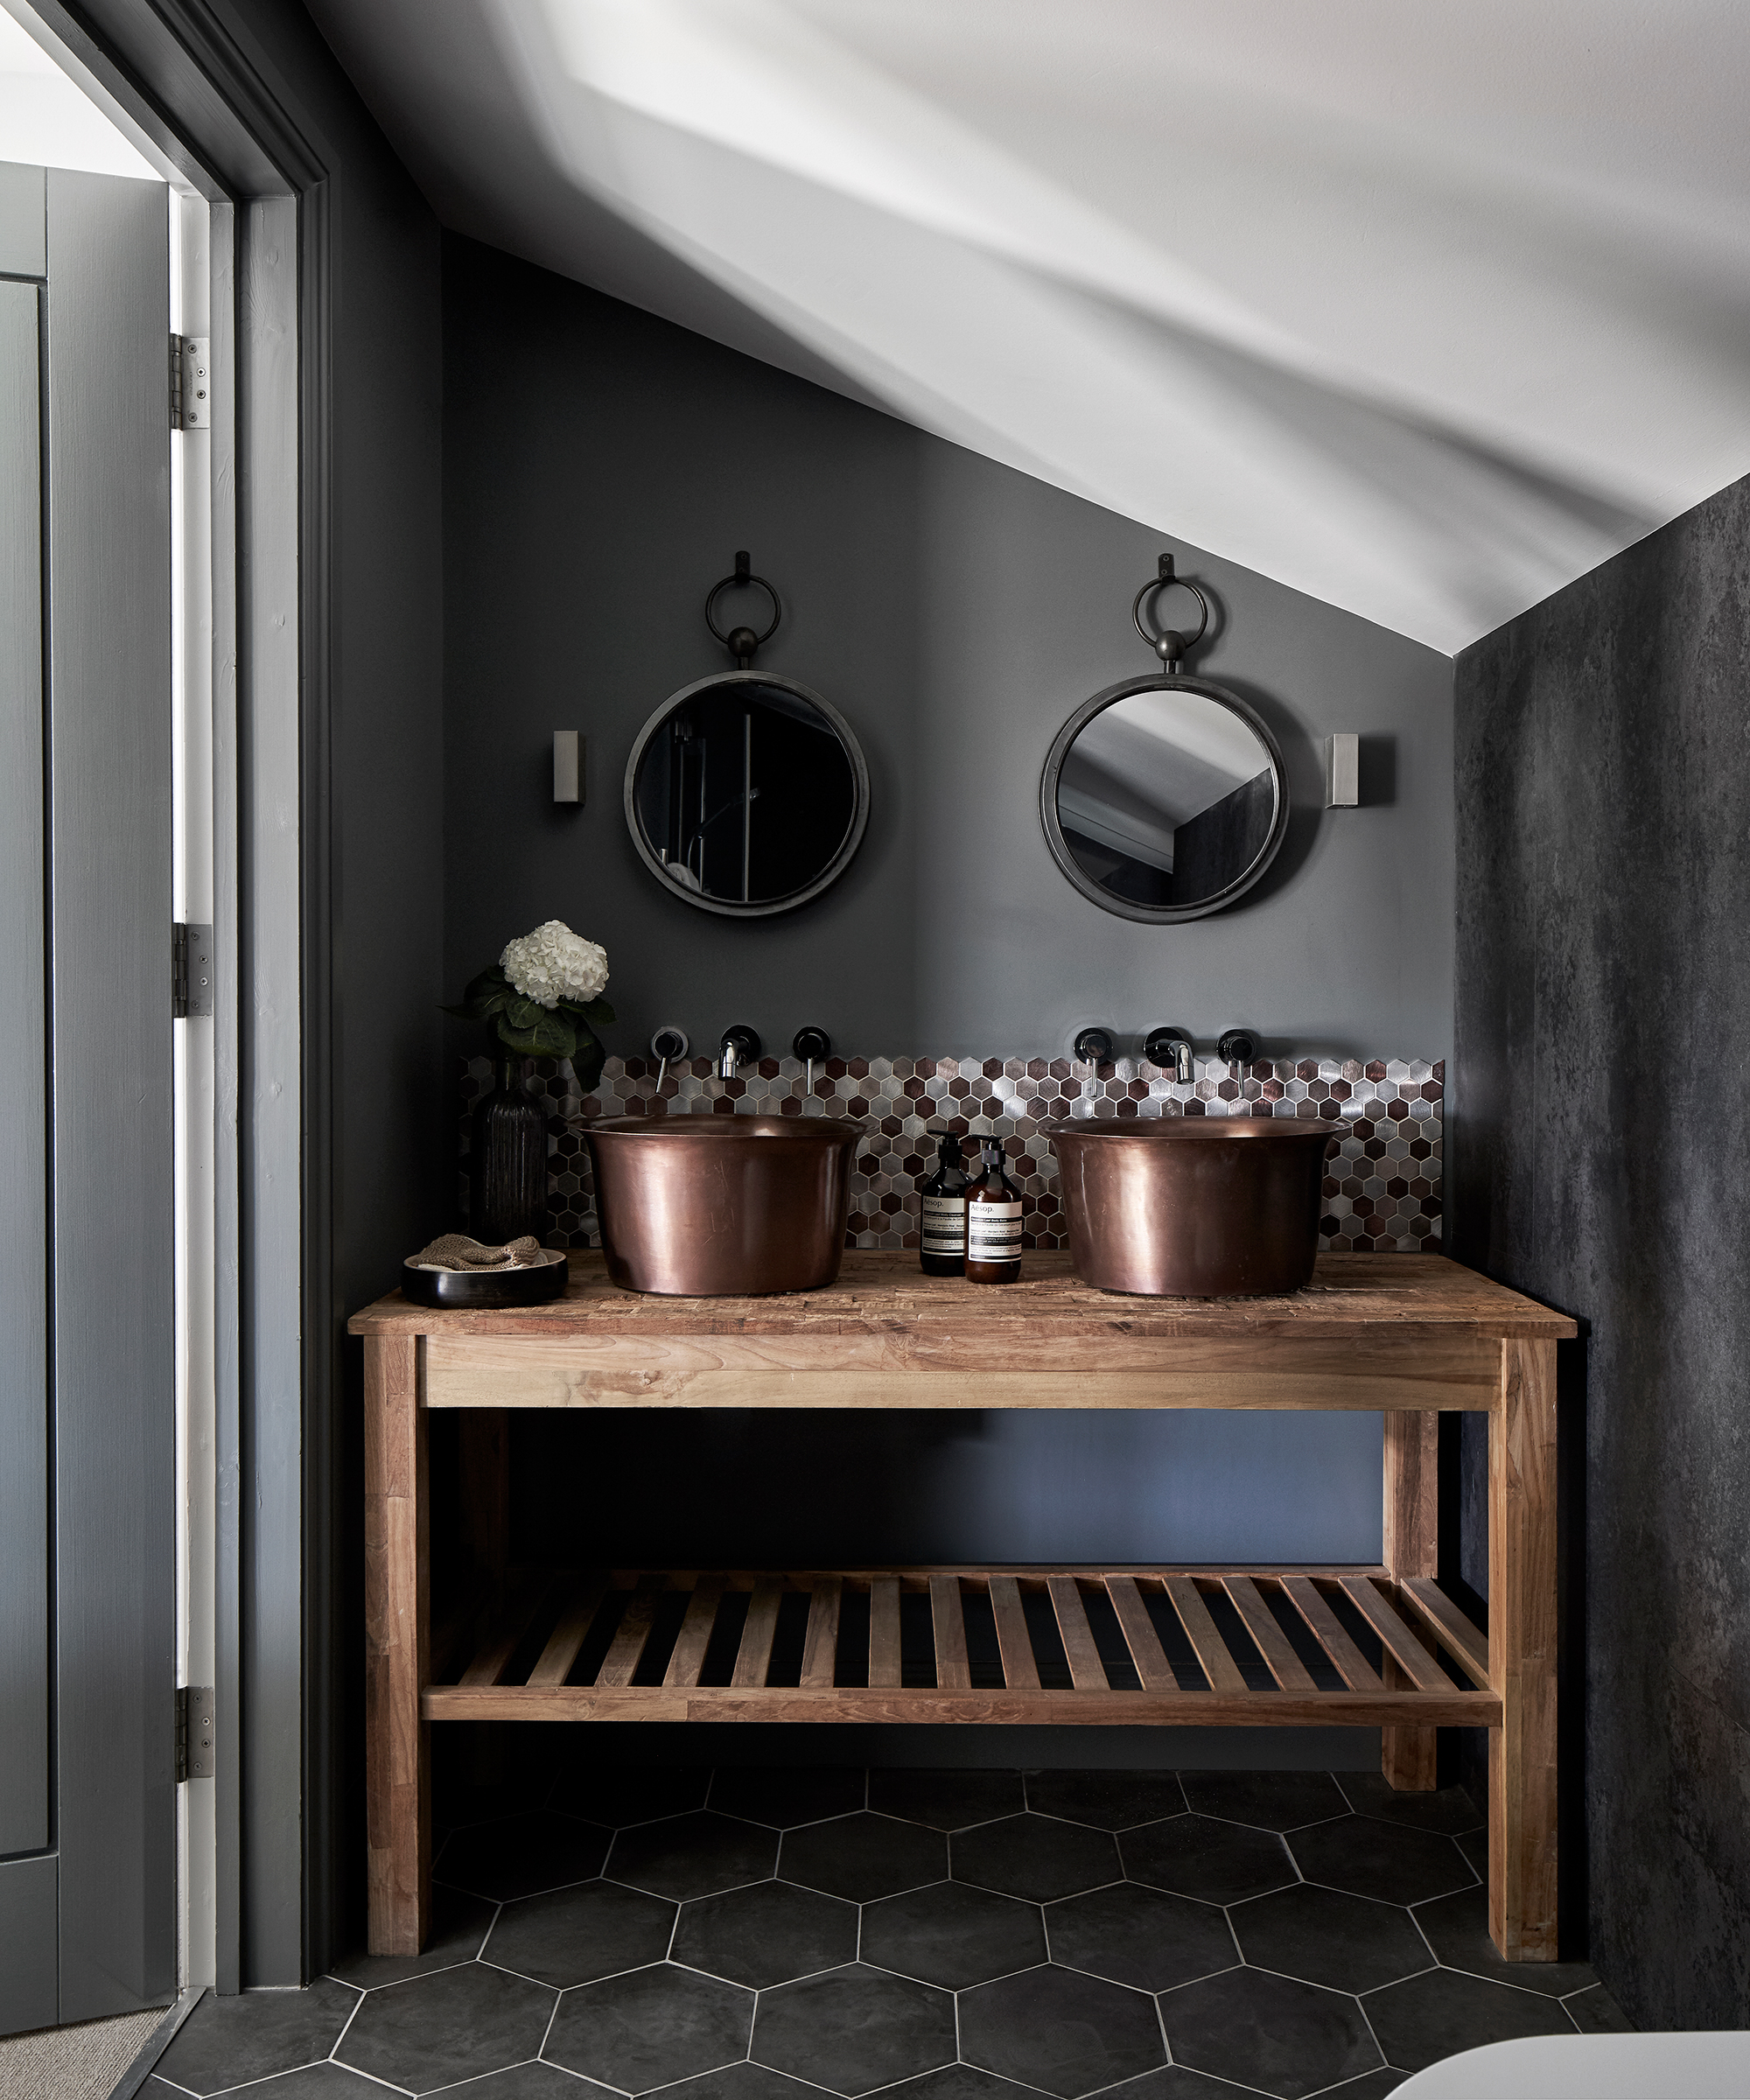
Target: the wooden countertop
(885, 1293)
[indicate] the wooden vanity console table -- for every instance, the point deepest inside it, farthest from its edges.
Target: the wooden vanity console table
(1373, 1647)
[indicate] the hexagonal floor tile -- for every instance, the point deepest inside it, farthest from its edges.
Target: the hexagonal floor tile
(1595, 2012)
(1457, 1929)
(785, 1797)
(1109, 1800)
(621, 1795)
(734, 2082)
(1436, 2015)
(522, 1855)
(1061, 2032)
(1216, 1862)
(1034, 1857)
(439, 2029)
(689, 1856)
(947, 1801)
(325, 2080)
(768, 1934)
(650, 2027)
(1378, 1859)
(863, 1856)
(952, 1935)
(227, 2042)
(523, 2081)
(1448, 1813)
(854, 2029)
(1140, 1936)
(459, 1924)
(1375, 2086)
(1268, 1801)
(1323, 1936)
(960, 2082)
(574, 1936)
(1268, 2031)
(1175, 2082)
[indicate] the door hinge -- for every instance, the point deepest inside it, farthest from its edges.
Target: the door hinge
(194, 1754)
(191, 972)
(190, 385)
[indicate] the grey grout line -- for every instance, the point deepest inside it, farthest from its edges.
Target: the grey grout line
(347, 2025)
(1367, 2018)
(387, 2084)
(244, 2085)
(547, 2032)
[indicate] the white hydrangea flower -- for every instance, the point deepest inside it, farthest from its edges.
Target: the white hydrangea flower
(554, 964)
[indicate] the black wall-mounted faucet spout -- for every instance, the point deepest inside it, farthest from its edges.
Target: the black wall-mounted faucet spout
(1170, 1048)
(813, 1046)
(741, 1046)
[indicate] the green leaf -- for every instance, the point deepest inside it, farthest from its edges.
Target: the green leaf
(487, 995)
(548, 1035)
(558, 1038)
(598, 1010)
(587, 1063)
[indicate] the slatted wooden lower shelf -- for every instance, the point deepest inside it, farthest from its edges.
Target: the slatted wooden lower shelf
(1196, 1646)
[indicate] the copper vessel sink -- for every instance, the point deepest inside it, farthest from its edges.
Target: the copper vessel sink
(1194, 1206)
(722, 1206)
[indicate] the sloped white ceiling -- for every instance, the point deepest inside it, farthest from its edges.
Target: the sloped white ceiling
(1425, 310)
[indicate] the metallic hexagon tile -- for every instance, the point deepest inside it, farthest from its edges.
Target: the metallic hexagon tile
(1382, 1189)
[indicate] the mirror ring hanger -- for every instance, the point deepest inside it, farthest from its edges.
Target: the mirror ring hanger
(1168, 643)
(742, 641)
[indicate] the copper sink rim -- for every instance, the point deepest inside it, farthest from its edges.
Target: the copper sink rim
(815, 1129)
(1204, 1128)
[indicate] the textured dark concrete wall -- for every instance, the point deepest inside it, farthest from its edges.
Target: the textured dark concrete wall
(1603, 1011)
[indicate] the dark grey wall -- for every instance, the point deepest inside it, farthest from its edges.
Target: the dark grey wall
(601, 468)
(373, 819)
(1603, 979)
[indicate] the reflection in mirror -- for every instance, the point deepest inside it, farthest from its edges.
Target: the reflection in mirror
(1167, 801)
(746, 793)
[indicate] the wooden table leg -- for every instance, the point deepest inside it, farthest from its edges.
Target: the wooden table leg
(1522, 1645)
(483, 1451)
(1408, 1756)
(397, 1741)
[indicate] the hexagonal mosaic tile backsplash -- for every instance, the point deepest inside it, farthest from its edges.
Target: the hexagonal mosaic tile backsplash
(1382, 1191)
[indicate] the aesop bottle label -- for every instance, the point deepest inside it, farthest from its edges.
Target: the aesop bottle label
(944, 1225)
(993, 1232)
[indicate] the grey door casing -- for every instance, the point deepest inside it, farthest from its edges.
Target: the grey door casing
(88, 1424)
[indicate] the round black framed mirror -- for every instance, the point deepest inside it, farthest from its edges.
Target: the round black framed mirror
(1164, 798)
(746, 793)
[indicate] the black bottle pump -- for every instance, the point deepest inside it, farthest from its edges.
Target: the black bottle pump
(942, 1242)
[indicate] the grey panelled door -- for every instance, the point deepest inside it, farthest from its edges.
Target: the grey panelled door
(88, 1420)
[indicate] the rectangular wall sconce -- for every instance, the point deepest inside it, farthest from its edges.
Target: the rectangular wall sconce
(1342, 770)
(568, 766)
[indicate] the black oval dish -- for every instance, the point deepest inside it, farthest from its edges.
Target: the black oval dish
(478, 1288)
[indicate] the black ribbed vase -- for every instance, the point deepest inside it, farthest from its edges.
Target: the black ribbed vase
(507, 1162)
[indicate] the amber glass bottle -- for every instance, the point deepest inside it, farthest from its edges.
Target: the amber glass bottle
(993, 1221)
(942, 1238)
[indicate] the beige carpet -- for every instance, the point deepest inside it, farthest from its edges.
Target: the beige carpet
(73, 2063)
